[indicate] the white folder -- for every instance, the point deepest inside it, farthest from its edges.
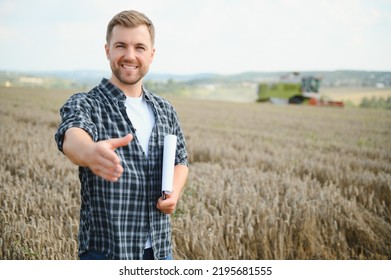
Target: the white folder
(169, 151)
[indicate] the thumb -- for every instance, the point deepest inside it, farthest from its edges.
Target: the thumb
(120, 142)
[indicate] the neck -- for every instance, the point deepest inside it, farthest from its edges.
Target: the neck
(134, 90)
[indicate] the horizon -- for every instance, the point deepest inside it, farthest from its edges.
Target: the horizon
(151, 73)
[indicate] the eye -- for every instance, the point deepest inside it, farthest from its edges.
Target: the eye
(141, 48)
(119, 46)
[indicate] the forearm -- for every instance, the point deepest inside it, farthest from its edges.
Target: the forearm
(76, 144)
(180, 176)
(168, 203)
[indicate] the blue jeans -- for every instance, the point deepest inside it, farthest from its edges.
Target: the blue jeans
(93, 255)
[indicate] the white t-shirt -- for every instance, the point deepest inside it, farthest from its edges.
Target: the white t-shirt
(143, 120)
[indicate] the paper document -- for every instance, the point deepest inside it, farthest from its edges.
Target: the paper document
(168, 163)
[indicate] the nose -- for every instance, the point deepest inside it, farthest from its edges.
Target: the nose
(130, 53)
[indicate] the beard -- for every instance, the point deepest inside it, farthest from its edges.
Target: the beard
(128, 78)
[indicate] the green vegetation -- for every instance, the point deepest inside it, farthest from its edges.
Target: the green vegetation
(376, 103)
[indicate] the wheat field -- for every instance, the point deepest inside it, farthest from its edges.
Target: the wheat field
(265, 182)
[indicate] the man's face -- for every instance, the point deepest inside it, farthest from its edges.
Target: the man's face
(130, 53)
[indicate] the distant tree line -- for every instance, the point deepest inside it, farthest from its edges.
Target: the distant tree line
(169, 87)
(376, 103)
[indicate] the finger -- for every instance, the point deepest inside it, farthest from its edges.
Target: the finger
(109, 158)
(165, 206)
(120, 142)
(114, 143)
(167, 195)
(103, 165)
(108, 174)
(116, 170)
(160, 205)
(100, 153)
(110, 177)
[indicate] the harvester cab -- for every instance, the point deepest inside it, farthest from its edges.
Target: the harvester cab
(309, 89)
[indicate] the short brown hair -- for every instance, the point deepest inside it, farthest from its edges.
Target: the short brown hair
(130, 19)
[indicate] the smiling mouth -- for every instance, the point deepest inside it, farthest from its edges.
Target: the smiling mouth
(129, 67)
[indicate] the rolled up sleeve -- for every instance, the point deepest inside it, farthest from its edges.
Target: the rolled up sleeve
(76, 112)
(181, 151)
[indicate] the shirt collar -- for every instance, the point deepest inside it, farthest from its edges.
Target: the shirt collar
(147, 94)
(111, 90)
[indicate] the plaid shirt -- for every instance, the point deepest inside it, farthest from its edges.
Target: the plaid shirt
(115, 217)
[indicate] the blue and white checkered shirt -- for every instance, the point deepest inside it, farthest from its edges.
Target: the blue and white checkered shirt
(115, 217)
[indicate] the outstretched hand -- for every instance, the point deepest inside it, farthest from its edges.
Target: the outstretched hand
(103, 161)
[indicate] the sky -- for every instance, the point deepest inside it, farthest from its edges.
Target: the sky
(202, 36)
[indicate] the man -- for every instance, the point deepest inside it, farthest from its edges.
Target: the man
(115, 134)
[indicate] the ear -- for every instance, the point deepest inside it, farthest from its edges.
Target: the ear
(152, 54)
(107, 50)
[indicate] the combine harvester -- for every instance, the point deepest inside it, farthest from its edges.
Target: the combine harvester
(292, 89)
